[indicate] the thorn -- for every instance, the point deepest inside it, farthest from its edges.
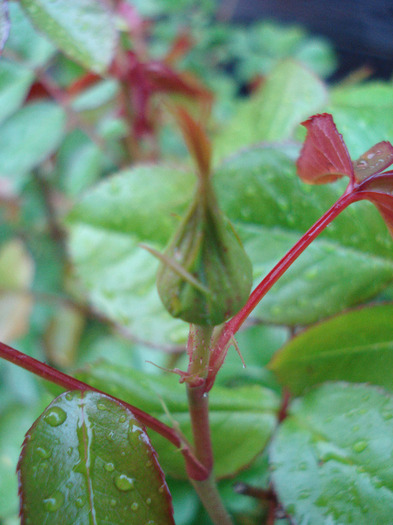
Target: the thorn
(236, 346)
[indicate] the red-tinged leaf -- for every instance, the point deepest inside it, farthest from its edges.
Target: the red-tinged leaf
(82, 83)
(197, 142)
(180, 46)
(379, 190)
(88, 460)
(324, 156)
(164, 79)
(375, 160)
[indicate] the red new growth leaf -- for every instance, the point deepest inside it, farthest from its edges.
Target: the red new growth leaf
(324, 156)
(379, 190)
(375, 160)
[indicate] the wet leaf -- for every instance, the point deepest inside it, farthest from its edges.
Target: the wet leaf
(331, 458)
(271, 208)
(355, 346)
(87, 456)
(324, 156)
(242, 419)
(28, 137)
(83, 29)
(289, 94)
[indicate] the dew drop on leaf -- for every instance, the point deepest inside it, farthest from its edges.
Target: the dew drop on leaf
(55, 416)
(109, 467)
(124, 483)
(54, 502)
(359, 446)
(135, 506)
(43, 453)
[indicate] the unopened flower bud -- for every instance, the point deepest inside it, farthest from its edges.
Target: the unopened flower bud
(205, 275)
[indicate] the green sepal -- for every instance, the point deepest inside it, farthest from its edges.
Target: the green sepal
(206, 247)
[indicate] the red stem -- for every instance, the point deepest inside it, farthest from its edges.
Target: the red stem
(232, 326)
(194, 468)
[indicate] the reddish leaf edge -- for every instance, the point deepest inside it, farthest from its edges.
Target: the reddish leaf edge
(195, 470)
(153, 458)
(368, 181)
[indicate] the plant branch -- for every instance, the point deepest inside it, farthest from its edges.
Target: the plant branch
(194, 468)
(208, 493)
(232, 326)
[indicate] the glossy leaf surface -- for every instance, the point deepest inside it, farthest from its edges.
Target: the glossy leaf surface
(331, 458)
(107, 226)
(356, 346)
(87, 460)
(241, 419)
(348, 263)
(270, 209)
(290, 93)
(83, 29)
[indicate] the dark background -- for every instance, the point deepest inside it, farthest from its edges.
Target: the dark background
(360, 30)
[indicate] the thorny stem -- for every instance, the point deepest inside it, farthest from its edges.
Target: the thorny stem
(219, 352)
(194, 468)
(198, 401)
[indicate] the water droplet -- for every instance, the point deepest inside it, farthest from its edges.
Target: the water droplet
(124, 483)
(44, 465)
(109, 467)
(101, 406)
(135, 506)
(304, 494)
(149, 463)
(69, 396)
(43, 453)
(387, 414)
(55, 416)
(113, 502)
(54, 502)
(359, 446)
(161, 489)
(148, 501)
(69, 451)
(79, 502)
(122, 419)
(111, 435)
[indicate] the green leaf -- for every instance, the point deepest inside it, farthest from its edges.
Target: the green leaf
(356, 346)
(4, 23)
(271, 208)
(24, 40)
(15, 81)
(14, 421)
(289, 94)
(331, 458)
(106, 227)
(363, 114)
(241, 419)
(29, 137)
(83, 29)
(87, 457)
